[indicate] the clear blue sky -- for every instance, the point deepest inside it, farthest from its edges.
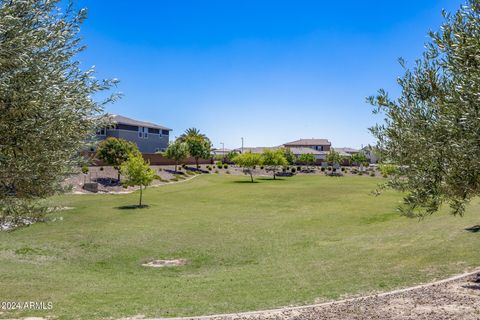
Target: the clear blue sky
(268, 71)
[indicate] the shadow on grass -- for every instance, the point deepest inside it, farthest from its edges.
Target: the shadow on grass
(271, 179)
(245, 181)
(132, 207)
(473, 229)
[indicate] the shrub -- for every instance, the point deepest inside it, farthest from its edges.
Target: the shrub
(101, 168)
(323, 169)
(216, 171)
(360, 173)
(219, 164)
(184, 165)
(85, 169)
(294, 170)
(334, 169)
(225, 166)
(329, 168)
(388, 169)
(372, 174)
(228, 172)
(299, 168)
(343, 169)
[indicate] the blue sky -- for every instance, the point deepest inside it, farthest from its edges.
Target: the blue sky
(268, 71)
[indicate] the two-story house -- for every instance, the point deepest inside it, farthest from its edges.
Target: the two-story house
(315, 144)
(149, 137)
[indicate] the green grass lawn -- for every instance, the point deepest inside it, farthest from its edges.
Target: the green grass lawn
(250, 246)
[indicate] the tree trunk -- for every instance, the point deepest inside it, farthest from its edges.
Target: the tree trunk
(175, 166)
(196, 162)
(274, 175)
(118, 174)
(141, 193)
(251, 176)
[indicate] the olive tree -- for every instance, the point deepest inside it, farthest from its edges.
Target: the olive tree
(46, 105)
(431, 130)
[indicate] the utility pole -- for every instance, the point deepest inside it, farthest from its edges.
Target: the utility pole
(223, 149)
(242, 144)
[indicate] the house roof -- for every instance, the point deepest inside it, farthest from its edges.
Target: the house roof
(255, 149)
(305, 150)
(309, 142)
(346, 150)
(132, 122)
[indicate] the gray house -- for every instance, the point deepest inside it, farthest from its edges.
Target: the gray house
(149, 137)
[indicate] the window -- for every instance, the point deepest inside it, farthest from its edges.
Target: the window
(165, 132)
(102, 132)
(143, 132)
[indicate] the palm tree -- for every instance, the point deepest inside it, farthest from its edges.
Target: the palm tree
(192, 133)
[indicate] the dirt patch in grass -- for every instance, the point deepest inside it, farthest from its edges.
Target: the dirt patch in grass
(165, 263)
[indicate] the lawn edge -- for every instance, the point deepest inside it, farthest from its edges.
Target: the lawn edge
(318, 305)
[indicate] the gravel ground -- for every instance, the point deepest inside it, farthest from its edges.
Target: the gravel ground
(454, 298)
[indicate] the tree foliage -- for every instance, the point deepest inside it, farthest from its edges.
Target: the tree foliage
(289, 156)
(307, 158)
(46, 106)
(248, 161)
(359, 158)
(115, 151)
(274, 160)
(199, 146)
(432, 129)
(334, 157)
(177, 151)
(137, 173)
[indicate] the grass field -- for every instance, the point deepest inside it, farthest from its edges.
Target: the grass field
(250, 246)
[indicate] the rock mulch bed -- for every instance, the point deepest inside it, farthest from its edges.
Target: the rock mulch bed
(454, 298)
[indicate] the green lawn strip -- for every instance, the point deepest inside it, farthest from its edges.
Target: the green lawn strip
(249, 246)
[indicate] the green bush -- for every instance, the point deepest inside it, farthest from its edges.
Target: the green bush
(294, 170)
(225, 166)
(219, 164)
(85, 169)
(322, 169)
(216, 171)
(299, 168)
(228, 172)
(101, 168)
(388, 169)
(372, 174)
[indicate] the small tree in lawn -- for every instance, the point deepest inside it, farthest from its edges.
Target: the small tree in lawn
(289, 156)
(307, 158)
(334, 157)
(199, 148)
(115, 151)
(177, 151)
(274, 160)
(137, 173)
(248, 161)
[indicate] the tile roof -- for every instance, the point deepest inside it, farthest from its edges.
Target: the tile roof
(309, 142)
(132, 122)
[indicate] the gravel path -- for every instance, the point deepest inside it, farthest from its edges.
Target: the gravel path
(453, 298)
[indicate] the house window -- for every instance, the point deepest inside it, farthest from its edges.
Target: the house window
(143, 132)
(102, 132)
